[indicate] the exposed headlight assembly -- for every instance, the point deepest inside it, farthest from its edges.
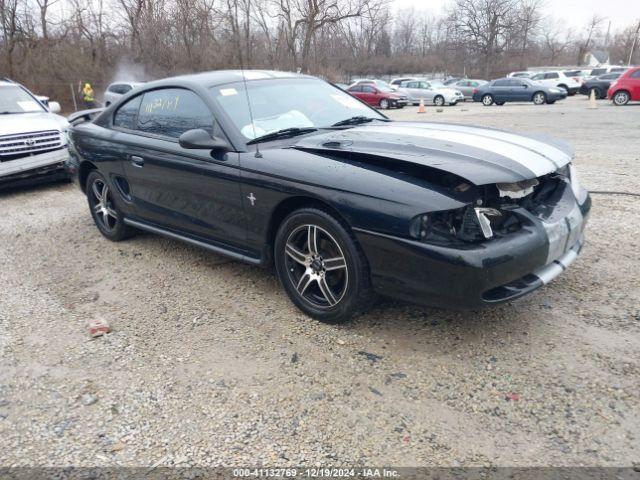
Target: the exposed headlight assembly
(470, 224)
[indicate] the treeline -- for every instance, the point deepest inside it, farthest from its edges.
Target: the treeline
(51, 45)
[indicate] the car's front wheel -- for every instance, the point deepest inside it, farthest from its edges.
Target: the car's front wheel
(539, 98)
(487, 100)
(595, 91)
(384, 104)
(103, 209)
(621, 98)
(438, 100)
(321, 267)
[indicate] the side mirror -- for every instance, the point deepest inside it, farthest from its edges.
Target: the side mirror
(199, 139)
(54, 107)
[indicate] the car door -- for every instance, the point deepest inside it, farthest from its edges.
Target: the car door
(501, 90)
(634, 82)
(425, 92)
(191, 191)
(370, 95)
(520, 90)
(464, 86)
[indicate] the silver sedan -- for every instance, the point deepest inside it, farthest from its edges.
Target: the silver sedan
(430, 92)
(467, 86)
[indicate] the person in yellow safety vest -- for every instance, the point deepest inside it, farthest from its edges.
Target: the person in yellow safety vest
(87, 96)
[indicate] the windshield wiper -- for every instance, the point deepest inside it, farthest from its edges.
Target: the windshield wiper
(357, 120)
(285, 132)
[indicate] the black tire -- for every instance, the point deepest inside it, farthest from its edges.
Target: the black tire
(438, 100)
(539, 98)
(487, 100)
(596, 92)
(499, 103)
(620, 98)
(105, 213)
(307, 275)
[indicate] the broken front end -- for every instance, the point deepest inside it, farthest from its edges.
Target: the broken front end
(508, 240)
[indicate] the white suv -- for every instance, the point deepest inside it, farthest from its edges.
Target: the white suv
(33, 139)
(559, 80)
(116, 90)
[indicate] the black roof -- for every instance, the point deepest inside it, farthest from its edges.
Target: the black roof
(220, 77)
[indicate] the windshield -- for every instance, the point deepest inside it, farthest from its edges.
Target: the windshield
(14, 99)
(293, 103)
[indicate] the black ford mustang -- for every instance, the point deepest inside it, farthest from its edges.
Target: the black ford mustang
(344, 201)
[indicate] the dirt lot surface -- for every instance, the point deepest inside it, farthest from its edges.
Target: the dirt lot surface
(210, 364)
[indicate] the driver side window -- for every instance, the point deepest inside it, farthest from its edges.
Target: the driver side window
(169, 112)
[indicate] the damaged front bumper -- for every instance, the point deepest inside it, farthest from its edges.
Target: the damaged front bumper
(47, 166)
(480, 274)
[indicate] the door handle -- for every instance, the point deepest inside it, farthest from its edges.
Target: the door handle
(137, 161)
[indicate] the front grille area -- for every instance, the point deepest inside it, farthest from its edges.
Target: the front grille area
(21, 145)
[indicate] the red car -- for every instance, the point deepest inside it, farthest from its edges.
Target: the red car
(377, 96)
(626, 88)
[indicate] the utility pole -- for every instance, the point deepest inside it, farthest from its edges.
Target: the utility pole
(633, 45)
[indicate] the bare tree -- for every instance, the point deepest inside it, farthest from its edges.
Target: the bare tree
(484, 26)
(593, 28)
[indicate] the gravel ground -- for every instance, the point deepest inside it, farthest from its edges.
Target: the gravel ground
(210, 364)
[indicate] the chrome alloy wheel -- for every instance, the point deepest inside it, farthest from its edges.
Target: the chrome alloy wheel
(102, 205)
(316, 266)
(539, 98)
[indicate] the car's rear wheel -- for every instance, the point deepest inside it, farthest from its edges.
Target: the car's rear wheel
(384, 104)
(487, 100)
(564, 87)
(321, 267)
(621, 98)
(539, 98)
(103, 209)
(595, 91)
(438, 100)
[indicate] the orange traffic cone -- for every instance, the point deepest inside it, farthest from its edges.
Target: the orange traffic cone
(421, 108)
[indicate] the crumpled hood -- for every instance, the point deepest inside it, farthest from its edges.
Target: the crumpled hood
(31, 122)
(479, 155)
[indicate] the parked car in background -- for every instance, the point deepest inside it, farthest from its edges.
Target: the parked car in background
(599, 85)
(467, 87)
(381, 97)
(521, 74)
(430, 92)
(559, 80)
(376, 82)
(451, 80)
(33, 139)
(116, 90)
(395, 83)
(512, 89)
(626, 88)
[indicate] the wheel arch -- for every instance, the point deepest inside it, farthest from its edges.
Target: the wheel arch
(537, 92)
(291, 204)
(84, 170)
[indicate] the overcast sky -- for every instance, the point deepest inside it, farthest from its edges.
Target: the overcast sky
(575, 12)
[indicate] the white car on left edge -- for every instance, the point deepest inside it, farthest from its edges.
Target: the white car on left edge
(33, 139)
